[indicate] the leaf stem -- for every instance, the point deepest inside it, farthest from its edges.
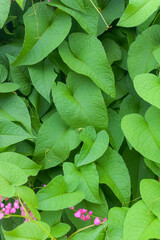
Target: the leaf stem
(100, 15)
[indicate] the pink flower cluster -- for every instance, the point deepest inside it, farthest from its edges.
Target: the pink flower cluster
(11, 209)
(81, 214)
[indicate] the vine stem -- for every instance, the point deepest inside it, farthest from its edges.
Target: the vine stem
(100, 15)
(80, 230)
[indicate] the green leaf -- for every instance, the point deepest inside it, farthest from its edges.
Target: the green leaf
(80, 103)
(21, 3)
(42, 76)
(88, 20)
(148, 87)
(137, 12)
(28, 231)
(8, 87)
(113, 10)
(4, 11)
(114, 129)
(55, 196)
(113, 51)
(116, 218)
(10, 176)
(92, 234)
(11, 133)
(13, 108)
(83, 59)
(93, 148)
(51, 217)
(49, 146)
(143, 223)
(42, 39)
(113, 172)
(3, 73)
(141, 134)
(60, 230)
(135, 161)
(87, 178)
(150, 192)
(75, 4)
(143, 61)
(155, 167)
(20, 76)
(27, 165)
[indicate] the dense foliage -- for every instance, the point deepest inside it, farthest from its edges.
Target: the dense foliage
(79, 119)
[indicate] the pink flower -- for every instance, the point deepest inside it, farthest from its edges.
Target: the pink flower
(105, 220)
(8, 206)
(6, 199)
(78, 214)
(2, 205)
(1, 215)
(13, 210)
(16, 204)
(72, 208)
(83, 210)
(44, 185)
(7, 211)
(97, 221)
(84, 218)
(90, 212)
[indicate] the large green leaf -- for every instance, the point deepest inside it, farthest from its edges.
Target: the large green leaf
(150, 192)
(140, 55)
(11, 133)
(144, 225)
(49, 146)
(10, 177)
(87, 178)
(148, 87)
(27, 165)
(4, 11)
(82, 58)
(93, 148)
(142, 134)
(137, 12)
(113, 172)
(116, 217)
(28, 231)
(42, 76)
(88, 20)
(38, 38)
(13, 108)
(55, 196)
(80, 103)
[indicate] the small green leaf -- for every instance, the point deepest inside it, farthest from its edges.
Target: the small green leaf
(83, 59)
(42, 77)
(113, 172)
(137, 12)
(3, 73)
(87, 178)
(8, 87)
(21, 3)
(28, 231)
(55, 196)
(138, 132)
(148, 87)
(60, 230)
(143, 61)
(75, 4)
(93, 148)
